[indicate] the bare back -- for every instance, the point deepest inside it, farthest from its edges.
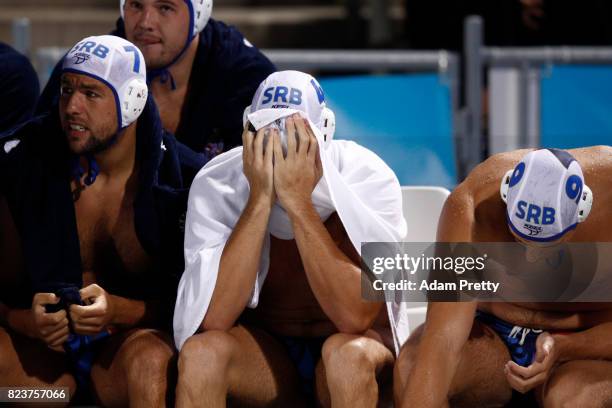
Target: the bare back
(475, 212)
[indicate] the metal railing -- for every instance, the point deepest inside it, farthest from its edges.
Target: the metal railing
(527, 63)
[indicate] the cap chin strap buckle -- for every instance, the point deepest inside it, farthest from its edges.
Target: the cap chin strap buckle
(585, 204)
(505, 186)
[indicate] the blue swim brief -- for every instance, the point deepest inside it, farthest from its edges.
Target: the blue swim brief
(521, 341)
(305, 352)
(81, 351)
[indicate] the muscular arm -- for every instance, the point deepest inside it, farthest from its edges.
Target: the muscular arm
(242, 253)
(335, 279)
(448, 324)
(238, 267)
(132, 313)
(19, 320)
(446, 331)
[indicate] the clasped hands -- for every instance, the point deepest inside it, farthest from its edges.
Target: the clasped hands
(90, 319)
(271, 175)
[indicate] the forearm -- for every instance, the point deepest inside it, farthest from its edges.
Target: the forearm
(130, 313)
(18, 320)
(334, 278)
(592, 344)
(446, 331)
(432, 374)
(238, 267)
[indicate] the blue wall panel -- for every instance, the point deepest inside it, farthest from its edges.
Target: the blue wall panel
(576, 106)
(406, 119)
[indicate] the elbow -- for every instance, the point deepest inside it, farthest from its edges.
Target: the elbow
(212, 322)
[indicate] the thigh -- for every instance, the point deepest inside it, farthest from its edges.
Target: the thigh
(120, 356)
(261, 371)
(28, 362)
(584, 383)
(479, 379)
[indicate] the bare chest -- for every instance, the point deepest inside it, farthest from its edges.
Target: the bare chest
(107, 235)
(286, 290)
(287, 303)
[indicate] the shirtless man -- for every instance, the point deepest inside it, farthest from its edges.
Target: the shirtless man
(257, 214)
(465, 354)
(201, 72)
(90, 205)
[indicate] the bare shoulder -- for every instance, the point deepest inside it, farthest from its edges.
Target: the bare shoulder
(476, 198)
(596, 163)
(599, 155)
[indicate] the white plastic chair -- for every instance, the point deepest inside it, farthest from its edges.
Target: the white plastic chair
(422, 206)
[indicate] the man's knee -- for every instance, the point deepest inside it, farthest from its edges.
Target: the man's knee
(149, 355)
(589, 396)
(347, 356)
(208, 352)
(574, 385)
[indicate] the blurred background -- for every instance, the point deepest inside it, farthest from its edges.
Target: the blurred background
(430, 89)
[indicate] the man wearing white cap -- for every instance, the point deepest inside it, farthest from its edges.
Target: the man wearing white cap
(91, 200)
(479, 354)
(201, 72)
(269, 309)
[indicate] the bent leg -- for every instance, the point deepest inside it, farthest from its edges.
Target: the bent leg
(244, 364)
(354, 367)
(26, 362)
(479, 379)
(136, 368)
(580, 383)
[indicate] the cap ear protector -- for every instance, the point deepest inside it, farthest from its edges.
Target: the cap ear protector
(505, 186)
(133, 100)
(327, 127)
(584, 204)
(200, 11)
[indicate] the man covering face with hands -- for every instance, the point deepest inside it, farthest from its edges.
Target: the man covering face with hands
(269, 308)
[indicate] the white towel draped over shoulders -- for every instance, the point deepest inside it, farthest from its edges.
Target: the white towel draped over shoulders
(356, 184)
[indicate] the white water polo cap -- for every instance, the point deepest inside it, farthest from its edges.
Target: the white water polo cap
(286, 91)
(118, 64)
(545, 195)
(199, 14)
